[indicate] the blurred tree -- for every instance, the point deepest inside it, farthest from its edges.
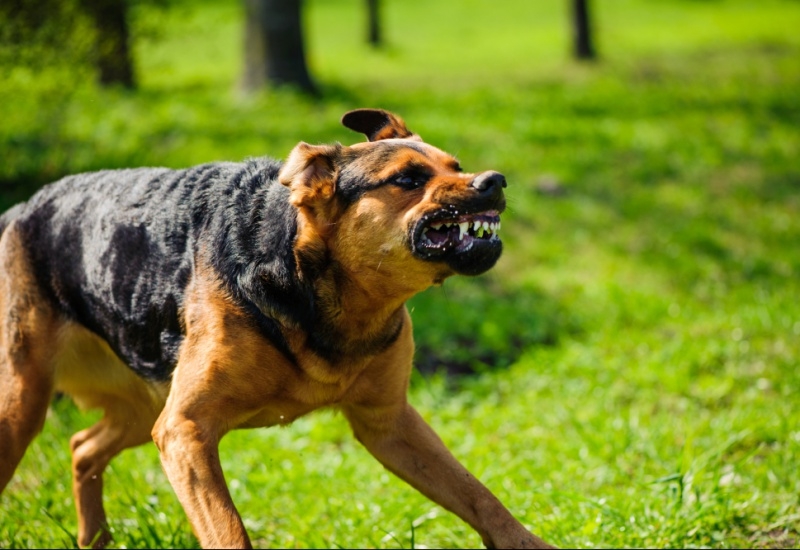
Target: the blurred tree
(375, 36)
(112, 41)
(38, 33)
(583, 46)
(274, 48)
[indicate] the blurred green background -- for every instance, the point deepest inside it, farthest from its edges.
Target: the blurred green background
(626, 376)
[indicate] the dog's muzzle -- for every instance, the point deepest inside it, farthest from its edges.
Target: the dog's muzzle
(464, 234)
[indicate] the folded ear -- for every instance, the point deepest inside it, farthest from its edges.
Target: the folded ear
(310, 172)
(377, 124)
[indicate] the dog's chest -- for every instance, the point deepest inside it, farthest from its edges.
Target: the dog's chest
(320, 385)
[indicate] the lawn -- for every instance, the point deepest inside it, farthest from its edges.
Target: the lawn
(627, 376)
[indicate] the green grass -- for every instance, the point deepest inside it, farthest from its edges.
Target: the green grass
(637, 345)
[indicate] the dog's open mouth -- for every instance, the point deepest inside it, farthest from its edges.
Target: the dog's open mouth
(460, 234)
(468, 243)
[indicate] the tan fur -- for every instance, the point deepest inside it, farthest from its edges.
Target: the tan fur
(225, 366)
(27, 325)
(90, 372)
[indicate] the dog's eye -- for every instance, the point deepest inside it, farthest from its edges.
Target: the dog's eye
(410, 180)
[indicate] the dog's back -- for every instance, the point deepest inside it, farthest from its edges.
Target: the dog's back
(114, 249)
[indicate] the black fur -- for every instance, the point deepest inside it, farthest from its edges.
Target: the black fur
(115, 251)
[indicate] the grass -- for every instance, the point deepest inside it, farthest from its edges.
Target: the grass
(636, 347)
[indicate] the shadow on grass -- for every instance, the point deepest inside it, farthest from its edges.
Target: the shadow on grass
(469, 326)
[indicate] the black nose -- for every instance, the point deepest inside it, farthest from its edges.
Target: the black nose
(488, 180)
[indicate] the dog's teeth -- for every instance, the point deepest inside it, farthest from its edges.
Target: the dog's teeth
(463, 227)
(485, 226)
(493, 227)
(498, 226)
(476, 226)
(435, 226)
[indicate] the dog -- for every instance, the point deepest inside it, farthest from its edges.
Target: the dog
(188, 303)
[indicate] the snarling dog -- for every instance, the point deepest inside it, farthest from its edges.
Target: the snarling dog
(187, 303)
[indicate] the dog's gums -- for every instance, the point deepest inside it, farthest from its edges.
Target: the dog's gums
(468, 243)
(460, 233)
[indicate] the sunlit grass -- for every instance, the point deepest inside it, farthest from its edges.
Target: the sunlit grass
(637, 344)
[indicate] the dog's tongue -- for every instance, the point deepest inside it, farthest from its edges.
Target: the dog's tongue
(438, 237)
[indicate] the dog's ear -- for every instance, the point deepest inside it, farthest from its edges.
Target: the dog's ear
(377, 124)
(310, 172)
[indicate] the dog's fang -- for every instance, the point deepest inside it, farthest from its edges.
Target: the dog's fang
(463, 227)
(476, 226)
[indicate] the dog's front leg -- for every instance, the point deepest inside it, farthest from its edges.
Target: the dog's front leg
(400, 439)
(190, 457)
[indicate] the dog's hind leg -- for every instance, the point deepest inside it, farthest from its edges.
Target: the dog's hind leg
(89, 371)
(92, 450)
(28, 325)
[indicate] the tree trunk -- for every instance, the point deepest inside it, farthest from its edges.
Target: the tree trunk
(113, 61)
(583, 47)
(374, 36)
(274, 47)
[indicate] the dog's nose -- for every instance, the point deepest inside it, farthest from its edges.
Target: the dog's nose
(488, 180)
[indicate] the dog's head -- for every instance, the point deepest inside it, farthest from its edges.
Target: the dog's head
(393, 204)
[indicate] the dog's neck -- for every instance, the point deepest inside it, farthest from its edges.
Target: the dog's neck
(356, 313)
(358, 293)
